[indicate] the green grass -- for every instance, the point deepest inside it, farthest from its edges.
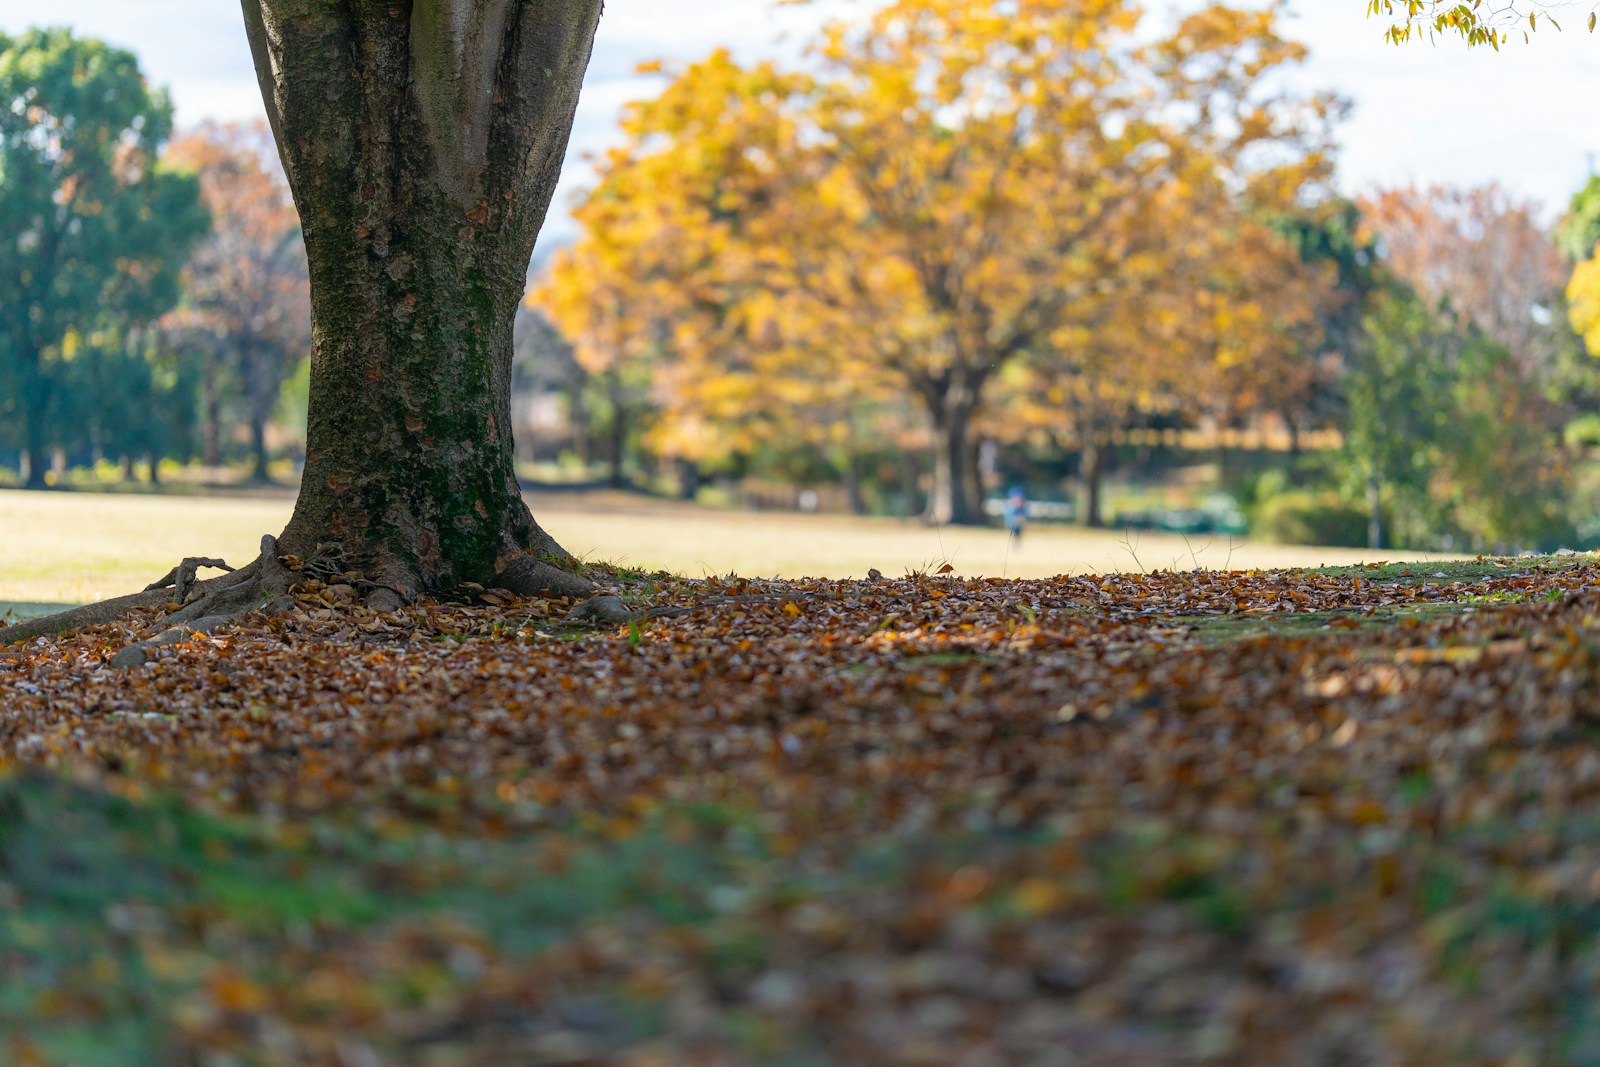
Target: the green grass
(1443, 571)
(124, 902)
(77, 547)
(1221, 629)
(12, 610)
(117, 916)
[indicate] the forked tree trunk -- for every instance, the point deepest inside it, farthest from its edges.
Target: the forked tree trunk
(422, 140)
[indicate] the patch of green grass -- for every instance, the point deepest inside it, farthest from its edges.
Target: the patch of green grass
(80, 868)
(944, 659)
(15, 610)
(1223, 629)
(1448, 572)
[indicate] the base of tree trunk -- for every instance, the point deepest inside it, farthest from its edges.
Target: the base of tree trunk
(265, 587)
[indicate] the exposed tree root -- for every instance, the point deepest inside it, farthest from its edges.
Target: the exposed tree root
(262, 586)
(527, 575)
(181, 578)
(265, 585)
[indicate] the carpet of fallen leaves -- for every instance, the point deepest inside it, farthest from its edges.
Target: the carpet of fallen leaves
(1301, 818)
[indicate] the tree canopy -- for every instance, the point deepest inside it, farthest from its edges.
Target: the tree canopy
(948, 193)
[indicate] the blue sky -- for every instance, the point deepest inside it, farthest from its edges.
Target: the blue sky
(1525, 117)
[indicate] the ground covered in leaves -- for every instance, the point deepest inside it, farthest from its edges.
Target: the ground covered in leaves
(1338, 817)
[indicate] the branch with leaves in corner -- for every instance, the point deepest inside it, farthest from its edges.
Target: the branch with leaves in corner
(1472, 22)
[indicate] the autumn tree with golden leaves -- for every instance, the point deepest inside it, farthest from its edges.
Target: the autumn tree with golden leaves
(951, 191)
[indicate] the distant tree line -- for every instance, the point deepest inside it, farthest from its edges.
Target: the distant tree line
(152, 290)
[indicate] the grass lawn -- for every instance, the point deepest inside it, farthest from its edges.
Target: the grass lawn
(78, 547)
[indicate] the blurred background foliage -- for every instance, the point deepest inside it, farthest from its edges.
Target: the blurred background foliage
(954, 248)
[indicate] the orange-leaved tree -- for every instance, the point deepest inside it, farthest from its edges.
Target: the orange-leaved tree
(951, 190)
(246, 309)
(1484, 253)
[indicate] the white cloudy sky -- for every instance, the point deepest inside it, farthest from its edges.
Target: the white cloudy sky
(1525, 117)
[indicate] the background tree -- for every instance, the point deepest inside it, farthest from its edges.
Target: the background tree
(1579, 234)
(546, 365)
(96, 226)
(943, 196)
(617, 335)
(1398, 393)
(246, 308)
(1483, 254)
(126, 395)
(1578, 231)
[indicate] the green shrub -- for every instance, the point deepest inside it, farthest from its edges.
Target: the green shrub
(1305, 517)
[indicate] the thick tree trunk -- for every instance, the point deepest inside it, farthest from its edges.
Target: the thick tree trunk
(422, 141)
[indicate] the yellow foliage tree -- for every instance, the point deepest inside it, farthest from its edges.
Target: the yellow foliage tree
(1583, 298)
(956, 189)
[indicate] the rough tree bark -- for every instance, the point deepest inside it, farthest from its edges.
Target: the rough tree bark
(422, 140)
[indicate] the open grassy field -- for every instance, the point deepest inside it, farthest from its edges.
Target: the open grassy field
(76, 547)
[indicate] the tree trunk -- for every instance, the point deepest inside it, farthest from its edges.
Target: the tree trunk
(1092, 469)
(850, 475)
(259, 471)
(1374, 513)
(35, 398)
(422, 141)
(211, 413)
(951, 502)
(617, 432)
(972, 474)
(578, 416)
